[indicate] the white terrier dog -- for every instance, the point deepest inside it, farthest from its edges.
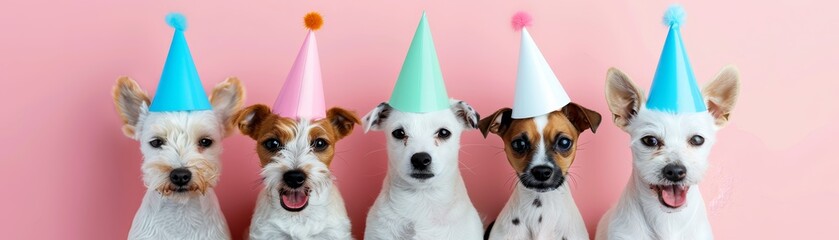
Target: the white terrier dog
(541, 150)
(299, 200)
(423, 195)
(181, 162)
(670, 156)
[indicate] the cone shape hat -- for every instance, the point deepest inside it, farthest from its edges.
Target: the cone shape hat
(302, 93)
(420, 87)
(180, 87)
(538, 91)
(674, 87)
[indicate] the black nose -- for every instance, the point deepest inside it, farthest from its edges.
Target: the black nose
(674, 172)
(180, 176)
(421, 161)
(294, 178)
(541, 173)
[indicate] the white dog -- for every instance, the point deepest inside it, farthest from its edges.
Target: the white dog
(181, 162)
(423, 195)
(299, 200)
(670, 156)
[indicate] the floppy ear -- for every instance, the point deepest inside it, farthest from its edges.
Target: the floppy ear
(582, 117)
(721, 94)
(131, 103)
(228, 97)
(465, 113)
(249, 119)
(623, 97)
(496, 123)
(374, 119)
(342, 120)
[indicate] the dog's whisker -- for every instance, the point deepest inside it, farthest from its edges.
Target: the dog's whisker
(374, 151)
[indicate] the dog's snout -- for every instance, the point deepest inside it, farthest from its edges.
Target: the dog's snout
(294, 178)
(674, 172)
(180, 176)
(421, 161)
(541, 173)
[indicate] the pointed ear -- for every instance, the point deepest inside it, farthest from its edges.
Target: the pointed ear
(249, 119)
(721, 94)
(374, 119)
(342, 120)
(465, 113)
(228, 97)
(623, 97)
(582, 117)
(496, 123)
(131, 103)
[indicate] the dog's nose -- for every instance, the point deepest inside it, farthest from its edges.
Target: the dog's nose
(294, 178)
(541, 173)
(421, 161)
(180, 176)
(674, 172)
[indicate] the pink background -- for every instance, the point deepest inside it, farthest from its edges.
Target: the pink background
(67, 172)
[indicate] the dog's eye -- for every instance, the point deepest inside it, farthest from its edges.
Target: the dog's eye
(696, 140)
(320, 144)
(444, 133)
(563, 144)
(272, 144)
(519, 145)
(205, 142)
(399, 134)
(650, 141)
(156, 143)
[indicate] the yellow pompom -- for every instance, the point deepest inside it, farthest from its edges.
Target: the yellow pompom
(313, 21)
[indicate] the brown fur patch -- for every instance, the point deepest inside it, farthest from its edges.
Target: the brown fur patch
(259, 123)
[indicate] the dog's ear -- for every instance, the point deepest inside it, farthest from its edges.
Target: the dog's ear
(465, 113)
(228, 97)
(582, 118)
(623, 97)
(342, 120)
(721, 94)
(496, 123)
(374, 119)
(248, 119)
(131, 103)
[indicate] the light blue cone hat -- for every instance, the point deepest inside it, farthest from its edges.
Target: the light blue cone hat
(674, 86)
(180, 87)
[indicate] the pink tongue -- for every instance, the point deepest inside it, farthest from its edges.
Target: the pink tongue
(674, 196)
(295, 199)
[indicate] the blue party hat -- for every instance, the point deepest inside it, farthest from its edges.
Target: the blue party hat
(180, 87)
(674, 86)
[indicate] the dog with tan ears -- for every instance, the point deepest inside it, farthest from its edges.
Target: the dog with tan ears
(541, 150)
(296, 142)
(181, 163)
(300, 199)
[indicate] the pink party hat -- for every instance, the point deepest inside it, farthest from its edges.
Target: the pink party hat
(302, 93)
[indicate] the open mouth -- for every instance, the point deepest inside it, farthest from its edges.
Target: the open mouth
(422, 175)
(294, 200)
(672, 196)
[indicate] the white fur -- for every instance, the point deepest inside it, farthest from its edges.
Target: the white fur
(554, 217)
(435, 208)
(639, 214)
(188, 215)
(325, 217)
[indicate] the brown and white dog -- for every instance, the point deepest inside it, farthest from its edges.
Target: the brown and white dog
(299, 200)
(541, 150)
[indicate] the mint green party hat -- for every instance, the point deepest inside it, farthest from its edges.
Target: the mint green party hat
(420, 87)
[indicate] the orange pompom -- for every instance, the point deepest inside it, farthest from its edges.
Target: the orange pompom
(313, 21)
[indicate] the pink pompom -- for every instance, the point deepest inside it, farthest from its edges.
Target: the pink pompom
(521, 19)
